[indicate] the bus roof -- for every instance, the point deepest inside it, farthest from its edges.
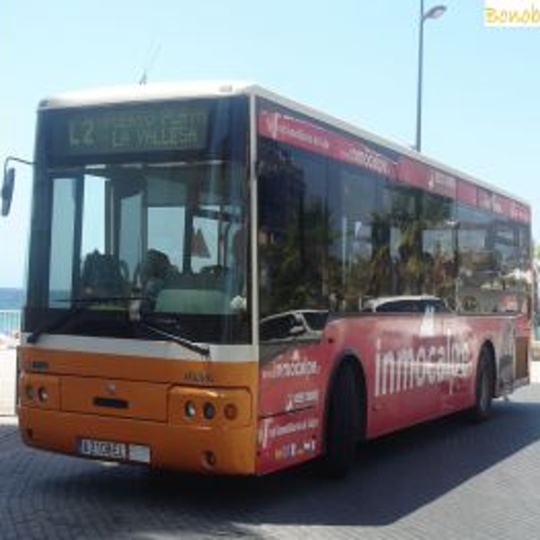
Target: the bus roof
(146, 92)
(168, 91)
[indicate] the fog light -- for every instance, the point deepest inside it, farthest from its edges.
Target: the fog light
(209, 459)
(189, 409)
(230, 411)
(209, 411)
(42, 394)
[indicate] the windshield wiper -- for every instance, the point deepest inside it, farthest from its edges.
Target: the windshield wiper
(79, 305)
(137, 316)
(203, 350)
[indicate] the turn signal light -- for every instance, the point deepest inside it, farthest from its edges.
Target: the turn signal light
(209, 459)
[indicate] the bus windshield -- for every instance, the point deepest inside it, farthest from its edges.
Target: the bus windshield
(144, 227)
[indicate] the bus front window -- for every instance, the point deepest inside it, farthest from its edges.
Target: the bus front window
(169, 234)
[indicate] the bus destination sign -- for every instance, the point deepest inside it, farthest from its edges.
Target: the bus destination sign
(144, 128)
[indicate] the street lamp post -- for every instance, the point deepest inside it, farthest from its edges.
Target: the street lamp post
(433, 13)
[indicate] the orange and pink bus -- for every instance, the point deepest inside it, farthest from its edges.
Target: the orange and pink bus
(222, 280)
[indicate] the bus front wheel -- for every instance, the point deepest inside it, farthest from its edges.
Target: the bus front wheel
(341, 424)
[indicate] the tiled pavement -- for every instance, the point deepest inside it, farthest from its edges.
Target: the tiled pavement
(445, 480)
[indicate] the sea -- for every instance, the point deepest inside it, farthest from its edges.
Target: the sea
(11, 298)
(11, 304)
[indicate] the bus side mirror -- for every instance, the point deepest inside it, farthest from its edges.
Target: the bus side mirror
(7, 190)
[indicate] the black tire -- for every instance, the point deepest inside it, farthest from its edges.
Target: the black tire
(342, 425)
(485, 379)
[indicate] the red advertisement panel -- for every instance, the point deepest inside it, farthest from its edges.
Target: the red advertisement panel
(467, 193)
(520, 212)
(501, 205)
(356, 153)
(484, 200)
(299, 133)
(442, 183)
(412, 173)
(303, 134)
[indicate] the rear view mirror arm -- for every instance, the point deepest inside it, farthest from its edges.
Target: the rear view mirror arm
(9, 182)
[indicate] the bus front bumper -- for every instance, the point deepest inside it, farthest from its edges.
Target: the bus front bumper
(199, 449)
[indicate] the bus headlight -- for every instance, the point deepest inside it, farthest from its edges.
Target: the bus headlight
(209, 407)
(38, 390)
(42, 394)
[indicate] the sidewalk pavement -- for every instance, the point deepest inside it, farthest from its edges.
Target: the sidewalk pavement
(8, 377)
(535, 350)
(535, 372)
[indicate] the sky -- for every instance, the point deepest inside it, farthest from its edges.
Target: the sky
(354, 59)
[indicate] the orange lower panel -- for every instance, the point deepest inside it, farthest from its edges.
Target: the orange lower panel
(171, 446)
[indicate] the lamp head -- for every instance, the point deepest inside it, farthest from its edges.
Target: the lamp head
(435, 12)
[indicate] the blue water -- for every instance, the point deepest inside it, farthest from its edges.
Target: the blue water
(11, 302)
(11, 298)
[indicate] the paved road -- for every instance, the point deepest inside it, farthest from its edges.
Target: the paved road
(445, 480)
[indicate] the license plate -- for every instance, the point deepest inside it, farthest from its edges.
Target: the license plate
(116, 451)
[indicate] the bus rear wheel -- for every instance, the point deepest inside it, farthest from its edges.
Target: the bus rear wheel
(485, 380)
(342, 424)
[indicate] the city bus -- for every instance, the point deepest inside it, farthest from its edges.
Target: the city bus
(224, 281)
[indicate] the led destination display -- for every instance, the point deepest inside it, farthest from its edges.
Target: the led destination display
(154, 127)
